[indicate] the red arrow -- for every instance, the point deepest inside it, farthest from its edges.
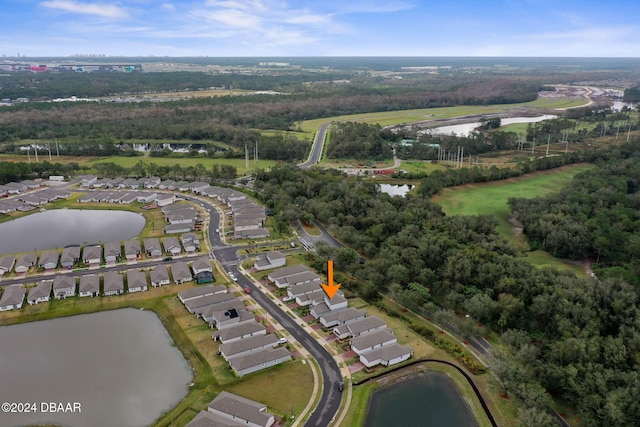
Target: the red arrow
(331, 288)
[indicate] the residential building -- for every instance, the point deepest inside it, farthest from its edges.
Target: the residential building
(12, 298)
(281, 273)
(201, 264)
(229, 317)
(230, 410)
(113, 283)
(373, 340)
(201, 291)
(263, 359)
(92, 255)
(159, 276)
(152, 247)
(197, 305)
(40, 293)
(172, 246)
(248, 345)
(24, 262)
(89, 285)
(359, 327)
(387, 355)
(6, 264)
(132, 250)
(64, 286)
(270, 260)
(112, 252)
(181, 272)
(342, 317)
(238, 332)
(70, 257)
(136, 281)
(190, 242)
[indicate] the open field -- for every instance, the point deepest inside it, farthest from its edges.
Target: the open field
(387, 118)
(491, 199)
(128, 162)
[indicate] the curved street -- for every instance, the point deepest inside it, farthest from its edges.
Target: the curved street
(330, 399)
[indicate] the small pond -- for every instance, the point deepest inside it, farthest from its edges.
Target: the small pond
(429, 399)
(465, 129)
(395, 189)
(64, 227)
(120, 366)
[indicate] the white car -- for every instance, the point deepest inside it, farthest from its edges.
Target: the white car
(282, 340)
(287, 298)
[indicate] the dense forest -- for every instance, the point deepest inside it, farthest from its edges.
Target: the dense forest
(574, 339)
(596, 216)
(350, 140)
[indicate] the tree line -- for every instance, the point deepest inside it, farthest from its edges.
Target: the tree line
(569, 338)
(596, 216)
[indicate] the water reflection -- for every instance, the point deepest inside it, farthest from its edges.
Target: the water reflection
(63, 227)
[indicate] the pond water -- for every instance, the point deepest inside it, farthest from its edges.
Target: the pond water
(465, 129)
(395, 189)
(425, 400)
(119, 366)
(64, 227)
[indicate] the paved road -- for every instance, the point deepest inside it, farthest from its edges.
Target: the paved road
(317, 147)
(329, 403)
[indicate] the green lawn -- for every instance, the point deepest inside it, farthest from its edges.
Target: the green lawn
(491, 199)
(386, 118)
(240, 164)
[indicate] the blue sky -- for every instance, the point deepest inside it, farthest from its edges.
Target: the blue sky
(321, 27)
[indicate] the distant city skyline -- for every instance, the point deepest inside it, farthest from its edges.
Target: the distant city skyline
(566, 28)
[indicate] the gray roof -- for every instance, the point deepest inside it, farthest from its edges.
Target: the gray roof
(305, 288)
(240, 330)
(214, 299)
(26, 259)
(258, 358)
(12, 295)
(180, 271)
(136, 279)
(241, 407)
(159, 273)
(152, 244)
(112, 248)
(132, 247)
(372, 339)
(70, 254)
(89, 283)
(189, 238)
(42, 289)
(388, 352)
(202, 290)
(49, 256)
(62, 281)
(201, 264)
(92, 252)
(113, 281)
(258, 341)
(213, 309)
(365, 324)
(344, 315)
(6, 262)
(287, 271)
(171, 242)
(209, 419)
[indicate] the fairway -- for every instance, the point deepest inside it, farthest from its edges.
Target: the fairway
(491, 198)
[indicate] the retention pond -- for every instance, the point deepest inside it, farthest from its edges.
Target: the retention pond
(119, 368)
(430, 399)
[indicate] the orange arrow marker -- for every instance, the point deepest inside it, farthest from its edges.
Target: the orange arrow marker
(330, 289)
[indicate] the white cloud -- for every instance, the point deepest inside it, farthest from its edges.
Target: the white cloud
(104, 10)
(167, 6)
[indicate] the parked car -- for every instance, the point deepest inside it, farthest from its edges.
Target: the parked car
(168, 258)
(287, 298)
(282, 340)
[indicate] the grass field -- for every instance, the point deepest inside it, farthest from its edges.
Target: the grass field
(386, 118)
(491, 199)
